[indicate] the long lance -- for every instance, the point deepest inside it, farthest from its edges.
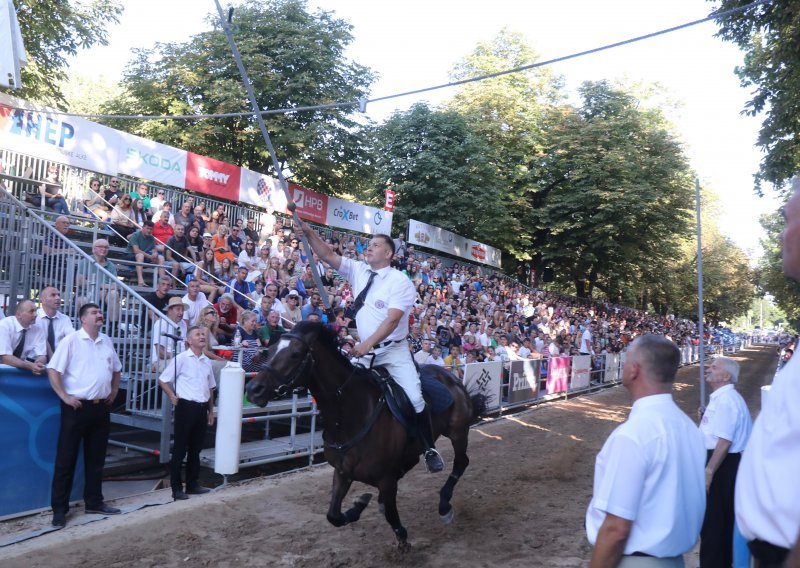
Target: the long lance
(290, 204)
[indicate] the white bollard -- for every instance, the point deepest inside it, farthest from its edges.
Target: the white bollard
(229, 419)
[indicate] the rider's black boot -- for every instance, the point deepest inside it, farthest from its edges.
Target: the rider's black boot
(433, 461)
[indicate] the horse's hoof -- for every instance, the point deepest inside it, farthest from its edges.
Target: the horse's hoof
(448, 517)
(403, 547)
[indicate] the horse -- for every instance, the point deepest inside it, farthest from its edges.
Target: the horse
(363, 441)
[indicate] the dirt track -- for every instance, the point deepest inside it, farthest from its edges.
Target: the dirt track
(521, 503)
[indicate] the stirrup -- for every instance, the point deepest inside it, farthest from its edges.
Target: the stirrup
(433, 461)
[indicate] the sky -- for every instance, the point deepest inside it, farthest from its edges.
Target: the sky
(415, 43)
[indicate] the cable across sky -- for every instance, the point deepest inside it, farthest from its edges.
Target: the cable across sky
(361, 104)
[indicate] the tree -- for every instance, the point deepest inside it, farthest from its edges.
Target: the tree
(510, 113)
(53, 30)
(442, 175)
(294, 58)
(614, 195)
(770, 277)
(769, 34)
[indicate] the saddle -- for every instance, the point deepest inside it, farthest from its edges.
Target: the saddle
(436, 396)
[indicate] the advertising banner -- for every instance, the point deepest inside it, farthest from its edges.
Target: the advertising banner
(145, 159)
(558, 375)
(262, 191)
(30, 414)
(523, 382)
(581, 371)
(74, 141)
(436, 238)
(212, 177)
(389, 204)
(612, 368)
(311, 206)
(485, 378)
(356, 217)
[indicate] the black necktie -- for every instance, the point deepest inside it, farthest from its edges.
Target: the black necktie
(20, 346)
(359, 302)
(51, 334)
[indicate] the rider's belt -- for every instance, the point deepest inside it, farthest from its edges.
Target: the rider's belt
(388, 343)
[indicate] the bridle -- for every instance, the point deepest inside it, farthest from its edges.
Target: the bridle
(287, 383)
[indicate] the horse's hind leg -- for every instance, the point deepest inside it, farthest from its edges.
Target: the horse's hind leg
(460, 462)
(388, 497)
(341, 485)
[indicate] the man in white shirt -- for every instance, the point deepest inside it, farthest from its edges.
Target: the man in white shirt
(649, 490)
(195, 301)
(384, 298)
(54, 325)
(22, 343)
(767, 500)
(85, 373)
(726, 426)
(586, 341)
(421, 356)
(188, 381)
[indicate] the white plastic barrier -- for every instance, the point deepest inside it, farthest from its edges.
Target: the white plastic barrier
(765, 395)
(229, 419)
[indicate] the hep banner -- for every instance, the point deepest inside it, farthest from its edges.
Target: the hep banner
(436, 238)
(34, 130)
(212, 177)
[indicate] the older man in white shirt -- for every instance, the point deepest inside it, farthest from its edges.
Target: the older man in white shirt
(22, 343)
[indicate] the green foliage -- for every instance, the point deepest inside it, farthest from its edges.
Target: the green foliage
(442, 174)
(294, 58)
(770, 278)
(53, 30)
(769, 34)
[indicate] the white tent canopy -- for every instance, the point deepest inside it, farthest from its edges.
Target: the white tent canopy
(12, 50)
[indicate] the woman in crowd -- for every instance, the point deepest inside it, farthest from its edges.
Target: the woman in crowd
(123, 216)
(195, 240)
(272, 273)
(287, 270)
(225, 272)
(248, 258)
(209, 319)
(205, 273)
(291, 305)
(51, 190)
(98, 204)
(212, 225)
(219, 243)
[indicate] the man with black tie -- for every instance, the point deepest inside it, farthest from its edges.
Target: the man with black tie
(22, 342)
(54, 324)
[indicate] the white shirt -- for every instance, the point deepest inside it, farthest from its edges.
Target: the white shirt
(651, 471)
(523, 352)
(767, 489)
(62, 325)
(86, 365)
(421, 357)
(434, 361)
(390, 290)
(195, 377)
(167, 343)
(726, 417)
(193, 308)
(10, 333)
(586, 337)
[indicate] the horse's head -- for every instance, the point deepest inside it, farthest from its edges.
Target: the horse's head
(288, 364)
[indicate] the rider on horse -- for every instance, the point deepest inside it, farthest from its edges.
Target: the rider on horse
(384, 298)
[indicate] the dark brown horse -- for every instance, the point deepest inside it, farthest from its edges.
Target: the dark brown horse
(363, 441)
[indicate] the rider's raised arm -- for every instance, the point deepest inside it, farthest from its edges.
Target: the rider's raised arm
(320, 247)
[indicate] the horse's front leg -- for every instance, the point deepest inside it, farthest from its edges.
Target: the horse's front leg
(388, 497)
(460, 463)
(341, 485)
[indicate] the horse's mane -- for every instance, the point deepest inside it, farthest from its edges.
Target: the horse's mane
(327, 337)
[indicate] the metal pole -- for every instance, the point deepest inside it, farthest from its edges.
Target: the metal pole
(225, 23)
(700, 298)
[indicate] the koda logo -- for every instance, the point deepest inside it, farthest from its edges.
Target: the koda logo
(211, 175)
(154, 160)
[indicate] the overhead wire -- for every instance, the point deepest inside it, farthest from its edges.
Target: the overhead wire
(363, 102)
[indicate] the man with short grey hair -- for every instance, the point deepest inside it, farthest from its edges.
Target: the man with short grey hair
(649, 497)
(726, 426)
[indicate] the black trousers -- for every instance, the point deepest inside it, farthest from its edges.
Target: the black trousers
(716, 536)
(88, 425)
(191, 422)
(767, 555)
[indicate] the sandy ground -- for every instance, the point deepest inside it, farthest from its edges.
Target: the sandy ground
(520, 503)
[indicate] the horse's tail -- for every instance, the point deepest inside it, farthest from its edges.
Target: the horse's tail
(478, 406)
